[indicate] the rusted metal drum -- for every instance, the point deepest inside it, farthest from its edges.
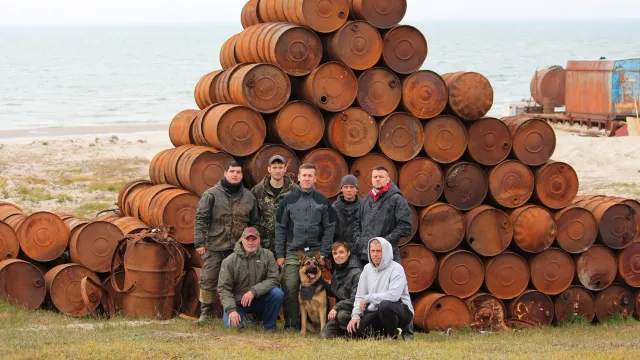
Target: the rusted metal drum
(228, 52)
(353, 132)
(108, 216)
(379, 91)
(157, 167)
(487, 312)
(470, 94)
(191, 292)
(551, 271)
(63, 288)
(614, 300)
(331, 168)
(263, 87)
(249, 15)
(21, 283)
(15, 221)
(440, 312)
(75, 224)
(194, 259)
(401, 136)
(357, 44)
(489, 141)
(617, 223)
(382, 14)
(7, 209)
(115, 296)
(511, 184)
(596, 268)
(534, 228)
(43, 236)
(332, 87)
(362, 169)
(548, 86)
(575, 301)
(424, 94)
(9, 245)
(200, 168)
(441, 227)
(143, 205)
(466, 185)
(176, 209)
(488, 230)
(404, 49)
(320, 15)
(235, 129)
(445, 139)
(629, 265)
(421, 181)
(460, 273)
(130, 225)
(172, 159)
(127, 189)
(255, 168)
(556, 185)
(506, 275)
(414, 226)
(532, 307)
(204, 92)
(420, 266)
(93, 245)
(299, 125)
(577, 229)
(533, 139)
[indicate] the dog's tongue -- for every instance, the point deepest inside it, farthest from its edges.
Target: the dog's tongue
(312, 276)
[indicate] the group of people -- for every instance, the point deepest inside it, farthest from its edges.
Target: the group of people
(259, 274)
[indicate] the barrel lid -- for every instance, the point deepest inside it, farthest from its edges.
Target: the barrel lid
(235, 129)
(331, 167)
(629, 264)
(596, 268)
(577, 229)
(551, 271)
(511, 183)
(507, 275)
(424, 94)
(201, 168)
(9, 246)
(489, 230)
(448, 312)
(461, 273)
(614, 300)
(489, 141)
(357, 44)
(177, 210)
(470, 94)
(487, 312)
(353, 132)
(441, 227)
(299, 125)
(576, 300)
(22, 284)
(532, 307)
(404, 49)
(94, 244)
(362, 168)
(421, 181)
(556, 184)
(534, 142)
(321, 15)
(379, 91)
(43, 236)
(297, 50)
(382, 14)
(64, 288)
(534, 228)
(445, 139)
(401, 136)
(421, 266)
(466, 185)
(263, 87)
(332, 87)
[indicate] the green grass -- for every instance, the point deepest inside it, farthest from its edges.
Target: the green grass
(109, 187)
(34, 193)
(91, 208)
(624, 187)
(63, 198)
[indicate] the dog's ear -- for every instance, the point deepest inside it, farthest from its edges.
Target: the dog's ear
(302, 256)
(317, 255)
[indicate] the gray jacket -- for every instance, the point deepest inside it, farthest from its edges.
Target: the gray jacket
(345, 213)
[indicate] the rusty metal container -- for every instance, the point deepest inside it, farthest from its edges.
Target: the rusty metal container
(15, 221)
(420, 266)
(382, 14)
(176, 209)
(115, 296)
(596, 268)
(488, 230)
(249, 15)
(551, 271)
(255, 168)
(319, 15)
(466, 185)
(629, 265)
(171, 161)
(533, 139)
(235, 129)
(331, 168)
(506, 275)
(191, 292)
(130, 225)
(614, 300)
(532, 307)
(575, 301)
(21, 283)
(204, 92)
(143, 206)
(424, 94)
(401, 136)
(200, 168)
(487, 312)
(263, 87)
(511, 184)
(445, 139)
(577, 229)
(357, 44)
(127, 189)
(228, 52)
(556, 185)
(93, 245)
(157, 167)
(442, 227)
(63, 288)
(74, 224)
(404, 49)
(43, 236)
(489, 141)
(470, 94)
(548, 86)
(414, 226)
(460, 273)
(534, 228)
(352, 132)
(421, 181)
(298, 125)
(362, 168)
(332, 86)
(617, 223)
(194, 259)
(9, 245)
(7, 209)
(440, 312)
(379, 91)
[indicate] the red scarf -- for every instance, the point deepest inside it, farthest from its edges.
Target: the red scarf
(376, 194)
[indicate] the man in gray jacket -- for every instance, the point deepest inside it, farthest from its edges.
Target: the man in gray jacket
(382, 304)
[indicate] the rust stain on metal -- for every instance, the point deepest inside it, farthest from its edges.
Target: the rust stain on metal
(404, 49)
(470, 94)
(617, 222)
(534, 141)
(614, 300)
(466, 185)
(43, 236)
(511, 184)
(94, 244)
(63, 287)
(414, 226)
(379, 91)
(489, 141)
(357, 44)
(9, 245)
(556, 184)
(596, 268)
(235, 129)
(362, 168)
(298, 125)
(421, 181)
(488, 230)
(401, 136)
(535, 229)
(420, 265)
(575, 301)
(21, 283)
(424, 94)
(352, 132)
(319, 15)
(445, 139)
(332, 87)
(551, 271)
(548, 86)
(629, 265)
(442, 227)
(263, 87)
(382, 14)
(487, 312)
(440, 312)
(204, 92)
(532, 307)
(577, 229)
(506, 275)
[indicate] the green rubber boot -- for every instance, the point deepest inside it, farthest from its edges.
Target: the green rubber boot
(206, 314)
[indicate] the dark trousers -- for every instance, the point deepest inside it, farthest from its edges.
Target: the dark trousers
(338, 326)
(386, 320)
(268, 305)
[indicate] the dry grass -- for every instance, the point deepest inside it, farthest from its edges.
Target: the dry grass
(91, 208)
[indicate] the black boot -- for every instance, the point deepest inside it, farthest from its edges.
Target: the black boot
(206, 314)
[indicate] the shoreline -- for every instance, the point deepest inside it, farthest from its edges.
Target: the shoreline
(75, 132)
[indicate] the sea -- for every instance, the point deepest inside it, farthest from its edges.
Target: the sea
(145, 74)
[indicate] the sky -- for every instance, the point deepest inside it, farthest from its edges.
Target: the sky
(107, 12)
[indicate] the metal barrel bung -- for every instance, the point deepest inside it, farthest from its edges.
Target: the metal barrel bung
(614, 300)
(470, 94)
(506, 275)
(379, 91)
(63, 288)
(249, 15)
(488, 230)
(617, 222)
(130, 225)
(177, 210)
(577, 229)
(533, 307)
(228, 52)
(357, 44)
(534, 141)
(466, 185)
(352, 132)
(421, 181)
(200, 168)
(445, 139)
(489, 141)
(332, 87)
(320, 15)
(487, 312)
(424, 94)
(511, 184)
(255, 167)
(331, 167)
(460, 273)
(362, 169)
(596, 268)
(263, 87)
(442, 227)
(9, 245)
(43, 236)
(401, 136)
(414, 226)
(534, 228)
(93, 245)
(205, 91)
(191, 292)
(556, 185)
(235, 129)
(404, 49)
(552, 271)
(629, 265)
(298, 125)
(420, 266)
(21, 283)
(440, 312)
(575, 301)
(126, 191)
(382, 14)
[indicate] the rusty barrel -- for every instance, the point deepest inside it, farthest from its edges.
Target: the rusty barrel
(487, 312)
(93, 245)
(551, 271)
(614, 300)
(74, 224)
(556, 185)
(470, 94)
(8, 209)
(249, 15)
(180, 127)
(420, 266)
(235, 129)
(511, 184)
(488, 230)
(191, 292)
(424, 94)
(130, 225)
(575, 301)
(15, 221)
(506, 275)
(489, 141)
(115, 296)
(596, 268)
(205, 90)
(357, 44)
(440, 312)
(143, 204)
(176, 209)
(379, 91)
(404, 49)
(352, 132)
(321, 16)
(228, 52)
(158, 165)
(382, 14)
(127, 190)
(263, 87)
(534, 228)
(617, 222)
(421, 181)
(401, 136)
(173, 158)
(629, 265)
(332, 87)
(43, 236)
(194, 259)
(442, 227)
(9, 245)
(533, 139)
(445, 139)
(63, 288)
(331, 167)
(21, 283)
(548, 86)
(298, 125)
(466, 185)
(255, 168)
(532, 307)
(414, 226)
(362, 168)
(577, 229)
(200, 168)
(460, 273)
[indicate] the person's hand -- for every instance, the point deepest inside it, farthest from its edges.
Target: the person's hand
(281, 262)
(363, 305)
(201, 251)
(234, 319)
(353, 325)
(332, 314)
(247, 298)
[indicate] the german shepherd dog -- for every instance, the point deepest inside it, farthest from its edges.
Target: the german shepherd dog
(312, 295)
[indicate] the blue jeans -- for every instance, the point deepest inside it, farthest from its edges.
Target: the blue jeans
(269, 305)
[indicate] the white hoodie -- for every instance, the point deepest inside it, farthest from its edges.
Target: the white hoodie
(386, 282)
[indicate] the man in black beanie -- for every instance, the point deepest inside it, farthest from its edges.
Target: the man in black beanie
(346, 210)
